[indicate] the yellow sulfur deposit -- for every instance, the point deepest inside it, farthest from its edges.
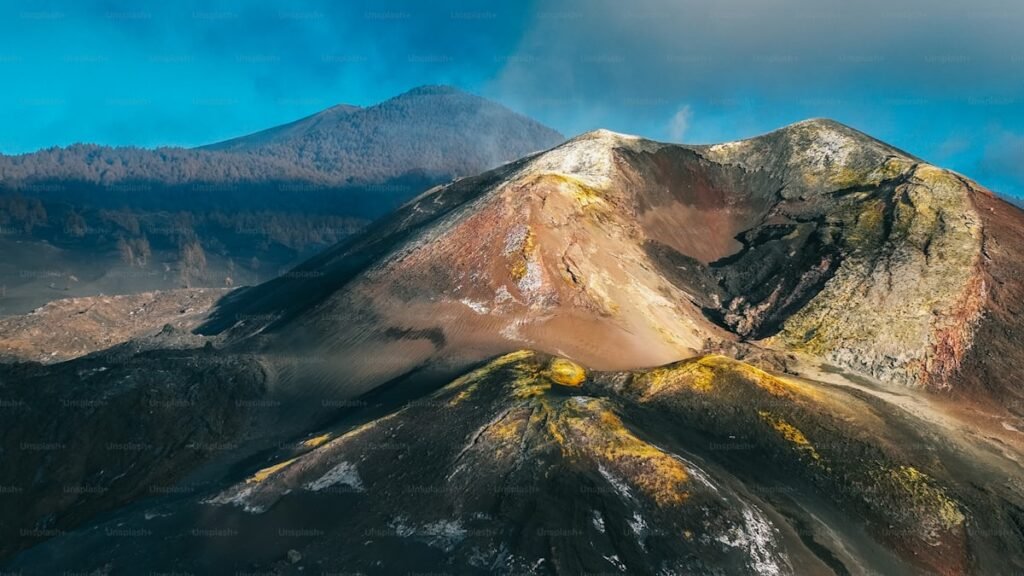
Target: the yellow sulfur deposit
(790, 433)
(269, 471)
(586, 196)
(567, 372)
(923, 492)
(590, 428)
(470, 381)
(708, 373)
(316, 441)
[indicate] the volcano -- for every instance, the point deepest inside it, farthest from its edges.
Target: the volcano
(622, 253)
(792, 354)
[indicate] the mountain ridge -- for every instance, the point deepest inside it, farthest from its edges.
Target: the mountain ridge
(522, 134)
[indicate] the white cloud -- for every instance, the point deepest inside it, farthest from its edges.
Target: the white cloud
(680, 123)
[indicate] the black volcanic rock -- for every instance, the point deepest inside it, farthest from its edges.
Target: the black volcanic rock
(706, 466)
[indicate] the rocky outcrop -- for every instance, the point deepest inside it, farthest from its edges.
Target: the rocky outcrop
(904, 304)
(74, 327)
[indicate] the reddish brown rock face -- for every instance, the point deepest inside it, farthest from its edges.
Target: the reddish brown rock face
(990, 356)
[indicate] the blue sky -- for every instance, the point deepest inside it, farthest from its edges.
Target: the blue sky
(941, 79)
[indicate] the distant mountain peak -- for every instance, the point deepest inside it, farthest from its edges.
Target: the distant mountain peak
(432, 90)
(416, 133)
(342, 108)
